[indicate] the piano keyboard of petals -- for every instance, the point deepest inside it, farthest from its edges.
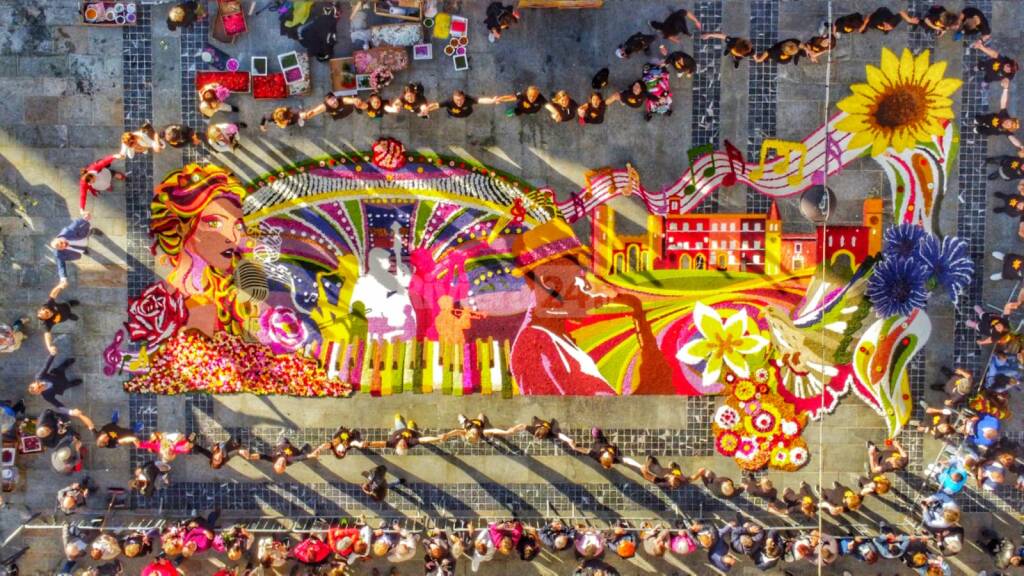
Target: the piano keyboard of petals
(384, 368)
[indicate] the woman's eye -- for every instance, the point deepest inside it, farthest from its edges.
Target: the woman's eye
(214, 224)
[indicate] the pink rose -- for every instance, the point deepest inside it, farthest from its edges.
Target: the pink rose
(282, 330)
(156, 315)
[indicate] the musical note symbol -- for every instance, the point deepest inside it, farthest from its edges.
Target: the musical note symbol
(693, 154)
(113, 359)
(784, 150)
(735, 157)
(833, 151)
(140, 362)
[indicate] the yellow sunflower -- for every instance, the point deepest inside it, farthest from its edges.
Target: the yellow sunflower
(903, 103)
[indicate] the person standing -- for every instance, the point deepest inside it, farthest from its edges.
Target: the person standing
(141, 141)
(283, 117)
(71, 243)
(633, 97)
(736, 47)
(998, 123)
(783, 52)
(72, 497)
(1002, 550)
(592, 111)
(185, 14)
(412, 100)
(460, 105)
(884, 20)
(223, 136)
(638, 42)
(51, 382)
(212, 97)
(561, 107)
(12, 336)
(337, 107)
(52, 313)
(996, 67)
(97, 177)
(74, 545)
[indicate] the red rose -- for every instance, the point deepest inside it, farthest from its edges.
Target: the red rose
(156, 315)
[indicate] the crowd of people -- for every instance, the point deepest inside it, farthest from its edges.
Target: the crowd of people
(970, 420)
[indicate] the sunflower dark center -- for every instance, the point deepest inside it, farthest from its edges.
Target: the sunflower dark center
(900, 106)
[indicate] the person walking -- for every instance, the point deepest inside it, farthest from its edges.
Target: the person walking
(376, 485)
(737, 48)
(141, 141)
(71, 243)
(180, 136)
(636, 43)
(97, 177)
(53, 313)
(51, 381)
(185, 14)
(675, 26)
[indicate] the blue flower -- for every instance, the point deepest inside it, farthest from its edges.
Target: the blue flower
(898, 285)
(948, 262)
(902, 240)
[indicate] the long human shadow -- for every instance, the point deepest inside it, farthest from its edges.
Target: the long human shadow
(507, 498)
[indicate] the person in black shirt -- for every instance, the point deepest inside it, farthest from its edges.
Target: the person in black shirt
(52, 426)
(817, 46)
(675, 25)
(499, 18)
(145, 478)
(138, 543)
(995, 67)
(638, 42)
(1013, 203)
(179, 136)
(343, 439)
(604, 452)
(110, 435)
(592, 111)
(460, 105)
(937, 20)
(720, 486)
(884, 20)
(376, 485)
(850, 24)
(634, 96)
(543, 429)
(475, 429)
(53, 382)
(973, 21)
(681, 62)
(671, 477)
(337, 107)
(405, 436)
(284, 455)
(220, 452)
(412, 100)
(53, 313)
(736, 47)
(784, 52)
(561, 107)
(998, 123)
(529, 101)
(1010, 167)
(373, 107)
(185, 14)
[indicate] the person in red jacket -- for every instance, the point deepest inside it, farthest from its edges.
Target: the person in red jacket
(160, 567)
(312, 551)
(342, 539)
(97, 177)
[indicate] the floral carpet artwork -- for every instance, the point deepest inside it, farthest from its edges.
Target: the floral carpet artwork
(388, 272)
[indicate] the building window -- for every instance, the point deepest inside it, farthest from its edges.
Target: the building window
(842, 241)
(686, 245)
(714, 226)
(743, 226)
(830, 238)
(732, 244)
(686, 226)
(744, 245)
(732, 258)
(700, 226)
(714, 244)
(732, 226)
(674, 204)
(853, 242)
(757, 226)
(757, 258)
(672, 226)
(700, 246)
(798, 248)
(757, 244)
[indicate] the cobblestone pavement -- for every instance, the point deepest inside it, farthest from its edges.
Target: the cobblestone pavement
(67, 91)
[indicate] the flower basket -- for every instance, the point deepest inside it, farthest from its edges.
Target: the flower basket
(234, 81)
(269, 87)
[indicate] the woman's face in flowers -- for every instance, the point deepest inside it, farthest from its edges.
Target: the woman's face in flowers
(219, 233)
